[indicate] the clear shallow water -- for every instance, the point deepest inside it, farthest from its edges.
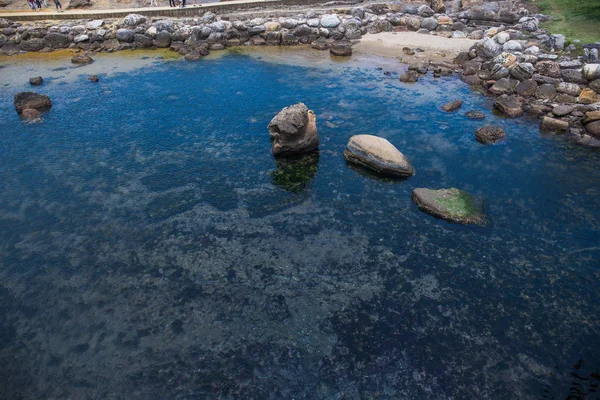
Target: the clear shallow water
(151, 248)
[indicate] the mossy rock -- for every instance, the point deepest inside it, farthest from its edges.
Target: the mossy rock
(453, 205)
(295, 173)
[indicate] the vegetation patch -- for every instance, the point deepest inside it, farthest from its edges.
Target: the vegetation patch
(576, 19)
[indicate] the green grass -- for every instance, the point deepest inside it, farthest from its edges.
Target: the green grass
(576, 19)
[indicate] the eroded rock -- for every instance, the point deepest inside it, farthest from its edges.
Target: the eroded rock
(294, 130)
(377, 154)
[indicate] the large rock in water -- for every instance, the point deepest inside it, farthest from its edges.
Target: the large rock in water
(509, 106)
(294, 130)
(489, 134)
(453, 205)
(377, 154)
(31, 100)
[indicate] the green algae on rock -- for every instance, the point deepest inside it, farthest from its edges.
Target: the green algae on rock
(451, 204)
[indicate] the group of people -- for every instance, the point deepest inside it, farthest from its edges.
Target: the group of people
(37, 5)
(172, 3)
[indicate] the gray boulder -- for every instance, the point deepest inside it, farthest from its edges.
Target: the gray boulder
(488, 48)
(522, 71)
(35, 81)
(330, 21)
(125, 35)
(591, 72)
(294, 130)
(163, 39)
(425, 11)
(377, 154)
(429, 24)
(134, 19)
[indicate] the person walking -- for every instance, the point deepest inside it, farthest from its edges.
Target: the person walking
(58, 5)
(172, 3)
(153, 3)
(182, 3)
(31, 4)
(39, 5)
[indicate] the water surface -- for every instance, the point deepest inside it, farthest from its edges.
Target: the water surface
(151, 247)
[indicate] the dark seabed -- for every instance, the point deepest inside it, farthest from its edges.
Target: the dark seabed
(151, 247)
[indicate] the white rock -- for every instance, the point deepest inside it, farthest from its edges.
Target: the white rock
(512, 45)
(134, 19)
(502, 38)
(591, 71)
(532, 50)
(313, 22)
(81, 38)
(330, 21)
(151, 32)
(95, 24)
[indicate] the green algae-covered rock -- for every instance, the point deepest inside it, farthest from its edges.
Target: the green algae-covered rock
(452, 204)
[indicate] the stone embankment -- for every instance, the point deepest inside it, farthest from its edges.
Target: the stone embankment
(529, 70)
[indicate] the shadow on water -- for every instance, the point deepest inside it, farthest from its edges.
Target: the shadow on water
(295, 173)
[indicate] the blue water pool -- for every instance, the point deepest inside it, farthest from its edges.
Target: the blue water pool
(152, 248)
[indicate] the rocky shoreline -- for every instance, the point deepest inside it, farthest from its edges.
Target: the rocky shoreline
(528, 70)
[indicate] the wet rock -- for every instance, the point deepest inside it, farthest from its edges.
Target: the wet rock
(526, 88)
(453, 205)
(143, 41)
(409, 77)
(81, 59)
(509, 106)
(471, 80)
(489, 134)
(134, 19)
(31, 100)
(377, 154)
(93, 78)
(591, 71)
(37, 80)
(32, 45)
(553, 124)
(341, 49)
(30, 113)
(57, 40)
(475, 115)
(545, 92)
(587, 96)
(294, 130)
(452, 105)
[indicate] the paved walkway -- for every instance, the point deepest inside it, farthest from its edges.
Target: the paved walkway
(188, 11)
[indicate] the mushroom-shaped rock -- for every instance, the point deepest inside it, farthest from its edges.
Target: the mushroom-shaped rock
(453, 205)
(489, 134)
(452, 106)
(81, 59)
(30, 100)
(294, 130)
(36, 80)
(377, 154)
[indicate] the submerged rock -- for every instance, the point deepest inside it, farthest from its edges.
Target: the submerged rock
(410, 77)
(81, 59)
(489, 134)
(31, 100)
(37, 80)
(341, 50)
(295, 173)
(453, 205)
(475, 115)
(452, 106)
(294, 130)
(93, 78)
(30, 113)
(377, 154)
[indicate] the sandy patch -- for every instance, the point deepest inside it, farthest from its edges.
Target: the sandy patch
(390, 44)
